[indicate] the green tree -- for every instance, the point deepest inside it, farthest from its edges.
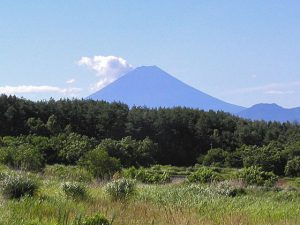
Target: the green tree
(73, 147)
(99, 163)
(215, 157)
(53, 125)
(268, 157)
(131, 152)
(36, 126)
(292, 167)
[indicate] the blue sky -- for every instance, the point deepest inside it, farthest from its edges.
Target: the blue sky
(244, 52)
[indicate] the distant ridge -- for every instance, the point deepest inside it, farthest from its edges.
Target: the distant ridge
(152, 87)
(271, 112)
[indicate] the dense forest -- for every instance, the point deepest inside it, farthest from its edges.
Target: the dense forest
(66, 131)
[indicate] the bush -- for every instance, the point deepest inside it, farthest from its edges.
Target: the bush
(18, 185)
(68, 173)
(121, 189)
(234, 160)
(98, 219)
(203, 175)
(147, 176)
(215, 157)
(131, 152)
(73, 147)
(100, 164)
(256, 176)
(269, 158)
(292, 150)
(292, 167)
(229, 189)
(24, 156)
(74, 190)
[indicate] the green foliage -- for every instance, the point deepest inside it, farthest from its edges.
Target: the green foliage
(75, 190)
(98, 219)
(147, 176)
(269, 158)
(292, 150)
(234, 160)
(68, 173)
(28, 158)
(131, 152)
(36, 126)
(203, 175)
(73, 147)
(53, 126)
(172, 170)
(99, 163)
(215, 157)
(292, 167)
(24, 156)
(181, 134)
(17, 185)
(44, 145)
(121, 189)
(256, 176)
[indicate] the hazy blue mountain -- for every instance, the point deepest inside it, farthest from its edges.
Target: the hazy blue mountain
(271, 112)
(152, 87)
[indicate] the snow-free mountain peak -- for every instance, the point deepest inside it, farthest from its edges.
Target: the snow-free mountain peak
(152, 87)
(271, 112)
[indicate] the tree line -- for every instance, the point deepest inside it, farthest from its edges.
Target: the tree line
(176, 136)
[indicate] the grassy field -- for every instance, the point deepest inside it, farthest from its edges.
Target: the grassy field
(179, 203)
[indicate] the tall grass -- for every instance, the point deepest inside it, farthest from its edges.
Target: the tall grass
(157, 204)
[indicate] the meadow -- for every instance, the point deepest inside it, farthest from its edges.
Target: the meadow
(179, 202)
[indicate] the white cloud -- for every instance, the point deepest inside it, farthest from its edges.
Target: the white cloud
(108, 68)
(30, 89)
(273, 88)
(278, 92)
(71, 81)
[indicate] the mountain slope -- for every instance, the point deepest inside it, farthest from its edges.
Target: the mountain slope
(152, 87)
(271, 112)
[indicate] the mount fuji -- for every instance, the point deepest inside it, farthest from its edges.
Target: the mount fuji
(152, 87)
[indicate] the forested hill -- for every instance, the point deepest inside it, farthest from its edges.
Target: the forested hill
(181, 134)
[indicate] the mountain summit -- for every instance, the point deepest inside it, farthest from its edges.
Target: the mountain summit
(152, 87)
(271, 112)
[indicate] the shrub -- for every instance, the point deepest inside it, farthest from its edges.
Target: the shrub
(234, 159)
(68, 173)
(292, 167)
(121, 189)
(74, 190)
(24, 156)
(3, 172)
(269, 158)
(100, 164)
(131, 152)
(203, 175)
(215, 157)
(229, 189)
(18, 185)
(292, 150)
(147, 176)
(73, 147)
(98, 219)
(256, 176)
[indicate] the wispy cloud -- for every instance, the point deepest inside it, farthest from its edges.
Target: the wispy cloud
(71, 81)
(108, 68)
(30, 89)
(272, 89)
